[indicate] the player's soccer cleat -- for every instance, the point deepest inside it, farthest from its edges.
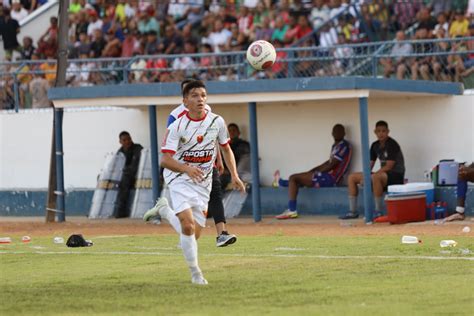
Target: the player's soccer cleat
(225, 239)
(198, 279)
(455, 217)
(287, 214)
(156, 210)
(349, 215)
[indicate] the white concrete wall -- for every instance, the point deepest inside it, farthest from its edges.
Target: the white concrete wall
(292, 137)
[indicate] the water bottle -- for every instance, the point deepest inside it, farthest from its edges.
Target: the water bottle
(447, 243)
(58, 240)
(5, 240)
(410, 240)
(26, 239)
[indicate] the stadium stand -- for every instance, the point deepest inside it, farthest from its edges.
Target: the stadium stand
(114, 41)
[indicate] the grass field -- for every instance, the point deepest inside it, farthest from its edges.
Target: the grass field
(277, 274)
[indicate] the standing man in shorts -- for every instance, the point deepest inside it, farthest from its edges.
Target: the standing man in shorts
(392, 170)
(215, 207)
(189, 153)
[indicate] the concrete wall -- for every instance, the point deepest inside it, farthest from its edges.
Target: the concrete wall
(293, 137)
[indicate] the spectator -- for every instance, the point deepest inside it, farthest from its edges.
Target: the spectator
(138, 69)
(172, 42)
(460, 26)
(241, 150)
(404, 13)
(152, 46)
(392, 170)
(9, 30)
(39, 87)
(280, 67)
(442, 23)
(130, 44)
(440, 6)
(328, 174)
(131, 9)
(83, 46)
(94, 23)
(465, 174)
(219, 37)
(75, 6)
(440, 62)
(82, 24)
(147, 21)
(132, 153)
(48, 42)
(264, 31)
(18, 12)
(120, 13)
(27, 49)
(49, 69)
(319, 13)
(245, 21)
(261, 12)
(113, 48)
(398, 61)
(279, 32)
(425, 20)
(422, 64)
(97, 45)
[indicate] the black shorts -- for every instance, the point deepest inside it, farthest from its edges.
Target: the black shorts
(395, 178)
(215, 206)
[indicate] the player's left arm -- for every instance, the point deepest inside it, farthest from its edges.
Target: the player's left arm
(231, 165)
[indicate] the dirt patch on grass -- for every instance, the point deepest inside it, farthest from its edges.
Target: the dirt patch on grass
(303, 226)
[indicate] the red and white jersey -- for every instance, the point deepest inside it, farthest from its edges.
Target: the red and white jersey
(194, 142)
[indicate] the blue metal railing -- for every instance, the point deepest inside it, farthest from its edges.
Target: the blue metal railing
(362, 59)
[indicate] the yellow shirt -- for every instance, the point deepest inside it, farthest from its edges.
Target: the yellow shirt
(459, 28)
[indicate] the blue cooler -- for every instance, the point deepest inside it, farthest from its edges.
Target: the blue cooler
(420, 187)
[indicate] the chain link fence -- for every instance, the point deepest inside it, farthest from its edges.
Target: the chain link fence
(24, 84)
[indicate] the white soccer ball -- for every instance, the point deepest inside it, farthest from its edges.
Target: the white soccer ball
(261, 55)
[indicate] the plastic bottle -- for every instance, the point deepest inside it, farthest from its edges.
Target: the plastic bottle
(410, 240)
(58, 240)
(26, 239)
(447, 243)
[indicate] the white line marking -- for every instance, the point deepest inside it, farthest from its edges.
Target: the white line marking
(289, 249)
(236, 255)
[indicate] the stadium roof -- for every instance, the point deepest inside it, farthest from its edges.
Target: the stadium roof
(234, 92)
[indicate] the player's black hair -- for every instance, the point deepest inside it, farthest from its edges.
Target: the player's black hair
(234, 126)
(124, 133)
(381, 123)
(193, 85)
(185, 82)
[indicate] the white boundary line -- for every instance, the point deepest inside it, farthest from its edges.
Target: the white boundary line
(236, 255)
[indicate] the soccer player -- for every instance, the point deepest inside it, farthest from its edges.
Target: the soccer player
(215, 207)
(328, 174)
(392, 170)
(189, 152)
(465, 174)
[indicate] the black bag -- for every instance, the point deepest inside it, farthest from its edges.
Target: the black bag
(78, 241)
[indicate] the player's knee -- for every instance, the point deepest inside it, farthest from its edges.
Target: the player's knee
(188, 228)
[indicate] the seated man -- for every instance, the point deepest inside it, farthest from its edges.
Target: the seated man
(392, 170)
(241, 150)
(465, 174)
(328, 174)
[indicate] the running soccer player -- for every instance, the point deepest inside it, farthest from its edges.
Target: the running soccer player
(215, 206)
(189, 152)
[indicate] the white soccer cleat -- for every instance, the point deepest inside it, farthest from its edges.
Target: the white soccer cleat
(198, 279)
(161, 203)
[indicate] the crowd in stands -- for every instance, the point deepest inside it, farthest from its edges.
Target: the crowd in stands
(152, 29)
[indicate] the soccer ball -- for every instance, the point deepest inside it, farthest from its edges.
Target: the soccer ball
(261, 55)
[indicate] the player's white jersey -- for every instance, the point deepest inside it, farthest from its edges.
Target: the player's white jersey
(194, 142)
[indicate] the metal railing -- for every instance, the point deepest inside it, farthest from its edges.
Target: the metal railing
(440, 60)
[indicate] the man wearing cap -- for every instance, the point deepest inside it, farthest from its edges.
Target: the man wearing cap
(18, 12)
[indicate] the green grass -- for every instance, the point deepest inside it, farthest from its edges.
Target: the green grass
(257, 276)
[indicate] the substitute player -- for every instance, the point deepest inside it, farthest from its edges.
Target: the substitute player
(189, 152)
(215, 207)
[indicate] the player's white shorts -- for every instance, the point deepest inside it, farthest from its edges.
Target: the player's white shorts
(185, 195)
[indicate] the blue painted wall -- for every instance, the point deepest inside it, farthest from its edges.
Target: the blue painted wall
(327, 201)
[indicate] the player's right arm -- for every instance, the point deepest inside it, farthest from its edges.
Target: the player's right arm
(169, 148)
(168, 162)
